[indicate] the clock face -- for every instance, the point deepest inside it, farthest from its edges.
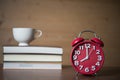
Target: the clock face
(87, 57)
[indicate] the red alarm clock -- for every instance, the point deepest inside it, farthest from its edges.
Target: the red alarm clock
(87, 56)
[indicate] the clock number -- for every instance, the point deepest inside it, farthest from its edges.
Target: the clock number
(87, 45)
(99, 57)
(76, 63)
(87, 69)
(81, 67)
(97, 51)
(97, 64)
(93, 68)
(81, 47)
(74, 57)
(77, 52)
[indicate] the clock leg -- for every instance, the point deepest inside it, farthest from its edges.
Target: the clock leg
(95, 74)
(77, 74)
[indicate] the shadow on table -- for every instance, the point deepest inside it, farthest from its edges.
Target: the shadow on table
(109, 71)
(106, 73)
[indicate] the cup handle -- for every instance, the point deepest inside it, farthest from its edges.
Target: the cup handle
(39, 33)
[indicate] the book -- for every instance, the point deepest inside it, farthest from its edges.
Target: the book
(31, 65)
(32, 57)
(32, 49)
(32, 74)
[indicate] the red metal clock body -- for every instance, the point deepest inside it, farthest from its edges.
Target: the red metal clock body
(87, 56)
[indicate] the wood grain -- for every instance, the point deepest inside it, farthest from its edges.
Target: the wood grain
(61, 21)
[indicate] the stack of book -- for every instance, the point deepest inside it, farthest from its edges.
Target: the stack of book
(31, 57)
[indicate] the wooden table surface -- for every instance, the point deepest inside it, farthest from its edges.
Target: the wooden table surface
(67, 73)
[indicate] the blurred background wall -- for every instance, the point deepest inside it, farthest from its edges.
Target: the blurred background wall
(61, 21)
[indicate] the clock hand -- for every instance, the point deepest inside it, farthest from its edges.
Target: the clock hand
(87, 56)
(83, 59)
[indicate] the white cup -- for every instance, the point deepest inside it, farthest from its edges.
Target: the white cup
(25, 35)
